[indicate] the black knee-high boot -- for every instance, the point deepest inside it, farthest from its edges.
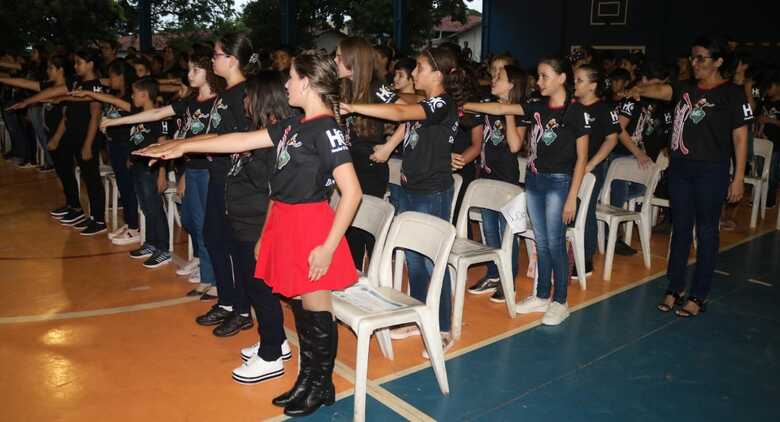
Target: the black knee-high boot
(324, 342)
(298, 390)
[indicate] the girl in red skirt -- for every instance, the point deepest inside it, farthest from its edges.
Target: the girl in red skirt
(302, 250)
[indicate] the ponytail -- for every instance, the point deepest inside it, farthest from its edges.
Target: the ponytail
(455, 79)
(239, 46)
(596, 75)
(323, 77)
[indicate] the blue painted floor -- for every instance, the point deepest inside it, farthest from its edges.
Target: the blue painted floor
(622, 360)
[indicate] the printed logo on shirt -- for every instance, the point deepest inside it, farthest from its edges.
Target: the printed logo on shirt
(410, 135)
(137, 133)
(747, 111)
(435, 102)
(588, 119)
(614, 116)
(385, 94)
(756, 92)
(628, 107)
(337, 141)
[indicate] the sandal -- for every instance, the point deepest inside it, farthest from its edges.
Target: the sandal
(663, 307)
(684, 313)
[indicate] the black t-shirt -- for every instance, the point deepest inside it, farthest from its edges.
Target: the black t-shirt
(704, 120)
(77, 112)
(498, 162)
(307, 151)
(228, 116)
(247, 191)
(603, 121)
(466, 122)
(193, 119)
(552, 135)
(771, 131)
(52, 113)
(361, 145)
(640, 115)
(145, 134)
(427, 146)
(658, 139)
(110, 111)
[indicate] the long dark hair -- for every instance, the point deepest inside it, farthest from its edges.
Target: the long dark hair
(595, 74)
(267, 98)
(718, 48)
(561, 66)
(519, 80)
(239, 46)
(455, 79)
(323, 76)
(59, 61)
(91, 55)
(358, 56)
(120, 67)
(201, 58)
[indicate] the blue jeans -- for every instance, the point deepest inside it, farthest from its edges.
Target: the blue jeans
(151, 202)
(420, 268)
(546, 195)
(193, 215)
(591, 228)
(493, 224)
(622, 191)
(697, 191)
(41, 137)
(118, 154)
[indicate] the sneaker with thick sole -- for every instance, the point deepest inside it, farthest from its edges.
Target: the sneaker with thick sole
(118, 232)
(233, 325)
(556, 314)
(248, 352)
(498, 295)
(145, 251)
(129, 237)
(94, 227)
(533, 304)
(72, 217)
(214, 316)
(257, 370)
(158, 259)
(194, 277)
(59, 212)
(83, 224)
(404, 332)
(485, 286)
(189, 267)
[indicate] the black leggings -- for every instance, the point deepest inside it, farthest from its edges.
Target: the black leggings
(68, 152)
(373, 179)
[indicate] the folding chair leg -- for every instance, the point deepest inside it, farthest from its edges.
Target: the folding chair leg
(507, 283)
(361, 374)
(644, 238)
(579, 259)
(756, 206)
(115, 203)
(106, 199)
(385, 343)
(432, 340)
(460, 292)
(398, 270)
(600, 236)
(611, 240)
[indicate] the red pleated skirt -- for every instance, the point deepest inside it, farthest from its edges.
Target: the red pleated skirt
(292, 231)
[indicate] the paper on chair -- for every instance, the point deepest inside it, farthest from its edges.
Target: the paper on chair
(367, 298)
(516, 213)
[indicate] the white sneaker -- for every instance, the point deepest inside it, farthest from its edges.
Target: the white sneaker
(404, 332)
(533, 304)
(129, 237)
(257, 370)
(248, 352)
(194, 277)
(446, 344)
(118, 232)
(555, 314)
(189, 267)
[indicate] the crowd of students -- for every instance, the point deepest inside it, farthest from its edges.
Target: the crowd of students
(258, 143)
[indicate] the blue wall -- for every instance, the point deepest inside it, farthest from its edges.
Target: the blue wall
(531, 29)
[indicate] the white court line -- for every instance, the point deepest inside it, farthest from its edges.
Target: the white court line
(763, 283)
(97, 312)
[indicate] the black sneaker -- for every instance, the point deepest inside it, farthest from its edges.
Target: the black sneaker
(158, 259)
(83, 224)
(484, 286)
(46, 169)
(498, 295)
(94, 227)
(214, 316)
(72, 217)
(622, 249)
(145, 251)
(233, 324)
(60, 212)
(588, 270)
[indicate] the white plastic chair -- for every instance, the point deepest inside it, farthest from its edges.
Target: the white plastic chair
(491, 195)
(626, 168)
(429, 236)
(576, 234)
(764, 149)
(171, 212)
(111, 192)
(457, 182)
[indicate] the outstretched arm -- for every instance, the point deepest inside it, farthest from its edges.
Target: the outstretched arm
(392, 112)
(224, 144)
(496, 109)
(22, 83)
(142, 117)
(103, 98)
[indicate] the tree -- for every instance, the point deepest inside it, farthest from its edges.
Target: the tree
(183, 15)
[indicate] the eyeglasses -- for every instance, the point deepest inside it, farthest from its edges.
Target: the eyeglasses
(215, 56)
(699, 58)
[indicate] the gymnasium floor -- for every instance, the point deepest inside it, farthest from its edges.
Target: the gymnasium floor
(87, 334)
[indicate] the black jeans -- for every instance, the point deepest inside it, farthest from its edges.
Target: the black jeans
(151, 202)
(68, 151)
(216, 235)
(119, 153)
(697, 191)
(373, 179)
(263, 300)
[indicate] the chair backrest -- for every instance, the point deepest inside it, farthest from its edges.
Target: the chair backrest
(522, 163)
(394, 164)
(763, 148)
(457, 182)
(627, 168)
(484, 193)
(425, 234)
(584, 195)
(374, 216)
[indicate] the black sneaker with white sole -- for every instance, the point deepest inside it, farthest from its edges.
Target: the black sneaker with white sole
(72, 217)
(94, 227)
(158, 259)
(83, 224)
(485, 286)
(59, 212)
(498, 295)
(145, 251)
(233, 324)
